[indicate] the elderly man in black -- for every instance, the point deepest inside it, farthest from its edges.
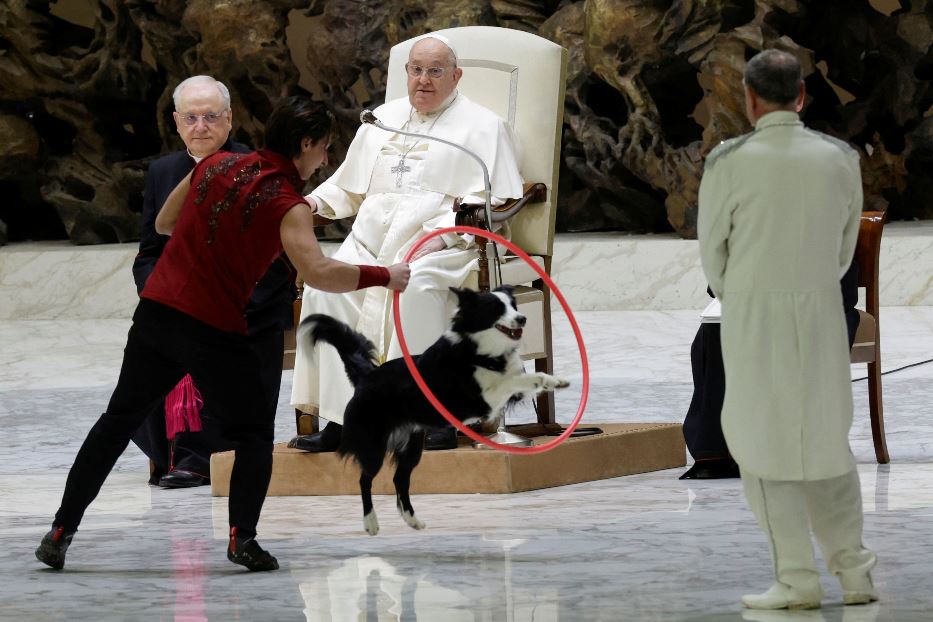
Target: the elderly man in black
(204, 121)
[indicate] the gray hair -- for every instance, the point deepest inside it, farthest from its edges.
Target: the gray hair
(774, 75)
(221, 88)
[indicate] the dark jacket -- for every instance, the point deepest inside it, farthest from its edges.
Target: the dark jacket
(270, 306)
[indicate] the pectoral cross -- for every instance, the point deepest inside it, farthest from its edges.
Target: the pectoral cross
(400, 170)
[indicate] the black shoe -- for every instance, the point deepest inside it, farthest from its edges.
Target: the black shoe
(51, 551)
(247, 552)
(441, 438)
(178, 478)
(327, 439)
(716, 468)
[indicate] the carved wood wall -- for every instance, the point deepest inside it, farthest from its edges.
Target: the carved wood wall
(653, 85)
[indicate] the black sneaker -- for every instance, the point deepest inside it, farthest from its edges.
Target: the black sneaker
(51, 551)
(247, 552)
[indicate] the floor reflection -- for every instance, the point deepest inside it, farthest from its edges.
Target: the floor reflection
(370, 588)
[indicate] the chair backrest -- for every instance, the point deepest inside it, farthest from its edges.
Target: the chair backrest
(521, 77)
(867, 346)
(867, 252)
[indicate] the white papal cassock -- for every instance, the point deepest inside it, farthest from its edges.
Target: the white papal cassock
(395, 206)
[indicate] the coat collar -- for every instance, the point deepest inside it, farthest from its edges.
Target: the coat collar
(778, 117)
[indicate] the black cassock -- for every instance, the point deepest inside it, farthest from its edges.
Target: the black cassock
(702, 429)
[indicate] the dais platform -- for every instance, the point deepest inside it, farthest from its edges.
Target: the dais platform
(621, 449)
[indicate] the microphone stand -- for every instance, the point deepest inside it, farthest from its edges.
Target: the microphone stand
(501, 436)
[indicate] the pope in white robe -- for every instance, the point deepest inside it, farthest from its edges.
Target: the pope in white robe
(401, 188)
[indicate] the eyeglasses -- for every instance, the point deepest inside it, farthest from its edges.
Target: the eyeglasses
(416, 71)
(210, 118)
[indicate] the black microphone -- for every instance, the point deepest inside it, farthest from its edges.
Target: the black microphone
(367, 116)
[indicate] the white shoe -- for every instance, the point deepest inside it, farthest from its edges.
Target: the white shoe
(857, 586)
(780, 596)
(859, 597)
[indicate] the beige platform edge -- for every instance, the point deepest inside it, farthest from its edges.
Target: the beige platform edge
(622, 449)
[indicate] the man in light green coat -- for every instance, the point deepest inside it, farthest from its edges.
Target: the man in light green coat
(778, 221)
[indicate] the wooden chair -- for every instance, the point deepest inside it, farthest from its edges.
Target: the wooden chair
(521, 77)
(867, 346)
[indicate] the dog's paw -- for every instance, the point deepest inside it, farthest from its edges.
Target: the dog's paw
(552, 383)
(371, 523)
(412, 520)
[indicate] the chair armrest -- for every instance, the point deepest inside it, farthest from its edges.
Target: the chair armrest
(320, 221)
(474, 215)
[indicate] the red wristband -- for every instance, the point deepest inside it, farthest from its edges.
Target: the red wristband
(372, 275)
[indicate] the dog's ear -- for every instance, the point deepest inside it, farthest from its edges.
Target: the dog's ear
(463, 294)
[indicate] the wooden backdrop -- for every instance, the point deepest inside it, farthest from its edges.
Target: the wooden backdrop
(85, 92)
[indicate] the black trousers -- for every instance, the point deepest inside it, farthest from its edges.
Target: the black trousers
(191, 451)
(163, 345)
(702, 430)
(702, 425)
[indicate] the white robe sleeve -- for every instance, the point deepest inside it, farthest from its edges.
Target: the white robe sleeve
(713, 225)
(334, 202)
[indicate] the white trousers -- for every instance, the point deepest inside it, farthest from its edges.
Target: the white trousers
(832, 508)
(320, 382)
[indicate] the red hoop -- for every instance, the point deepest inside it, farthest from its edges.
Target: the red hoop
(419, 380)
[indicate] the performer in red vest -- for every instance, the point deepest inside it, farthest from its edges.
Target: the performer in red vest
(229, 219)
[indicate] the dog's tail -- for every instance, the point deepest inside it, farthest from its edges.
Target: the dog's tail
(356, 351)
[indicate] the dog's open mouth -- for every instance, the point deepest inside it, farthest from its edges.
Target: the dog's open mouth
(513, 333)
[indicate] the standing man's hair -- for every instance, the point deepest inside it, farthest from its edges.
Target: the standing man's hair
(292, 120)
(221, 88)
(774, 75)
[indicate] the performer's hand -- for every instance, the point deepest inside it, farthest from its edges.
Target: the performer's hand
(431, 246)
(398, 276)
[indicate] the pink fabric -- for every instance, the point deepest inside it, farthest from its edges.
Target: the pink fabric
(183, 408)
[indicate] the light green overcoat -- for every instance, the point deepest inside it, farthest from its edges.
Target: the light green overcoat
(778, 221)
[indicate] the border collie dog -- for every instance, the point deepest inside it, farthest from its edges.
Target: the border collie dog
(474, 369)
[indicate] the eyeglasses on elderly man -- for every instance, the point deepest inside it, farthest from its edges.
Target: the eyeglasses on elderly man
(209, 118)
(416, 71)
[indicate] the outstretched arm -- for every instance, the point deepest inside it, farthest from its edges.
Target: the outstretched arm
(168, 215)
(319, 271)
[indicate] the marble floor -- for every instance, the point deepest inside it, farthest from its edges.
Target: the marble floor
(644, 547)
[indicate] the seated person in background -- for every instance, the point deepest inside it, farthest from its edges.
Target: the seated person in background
(204, 120)
(402, 187)
(702, 430)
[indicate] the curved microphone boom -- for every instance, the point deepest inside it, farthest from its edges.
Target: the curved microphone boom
(368, 117)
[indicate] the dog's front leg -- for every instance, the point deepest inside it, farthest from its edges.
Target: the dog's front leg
(533, 383)
(546, 382)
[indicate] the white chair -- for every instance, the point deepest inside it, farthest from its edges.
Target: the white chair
(521, 77)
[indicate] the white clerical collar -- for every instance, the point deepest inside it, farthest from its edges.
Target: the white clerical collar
(194, 157)
(423, 117)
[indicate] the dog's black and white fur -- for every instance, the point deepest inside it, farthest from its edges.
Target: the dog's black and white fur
(474, 369)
